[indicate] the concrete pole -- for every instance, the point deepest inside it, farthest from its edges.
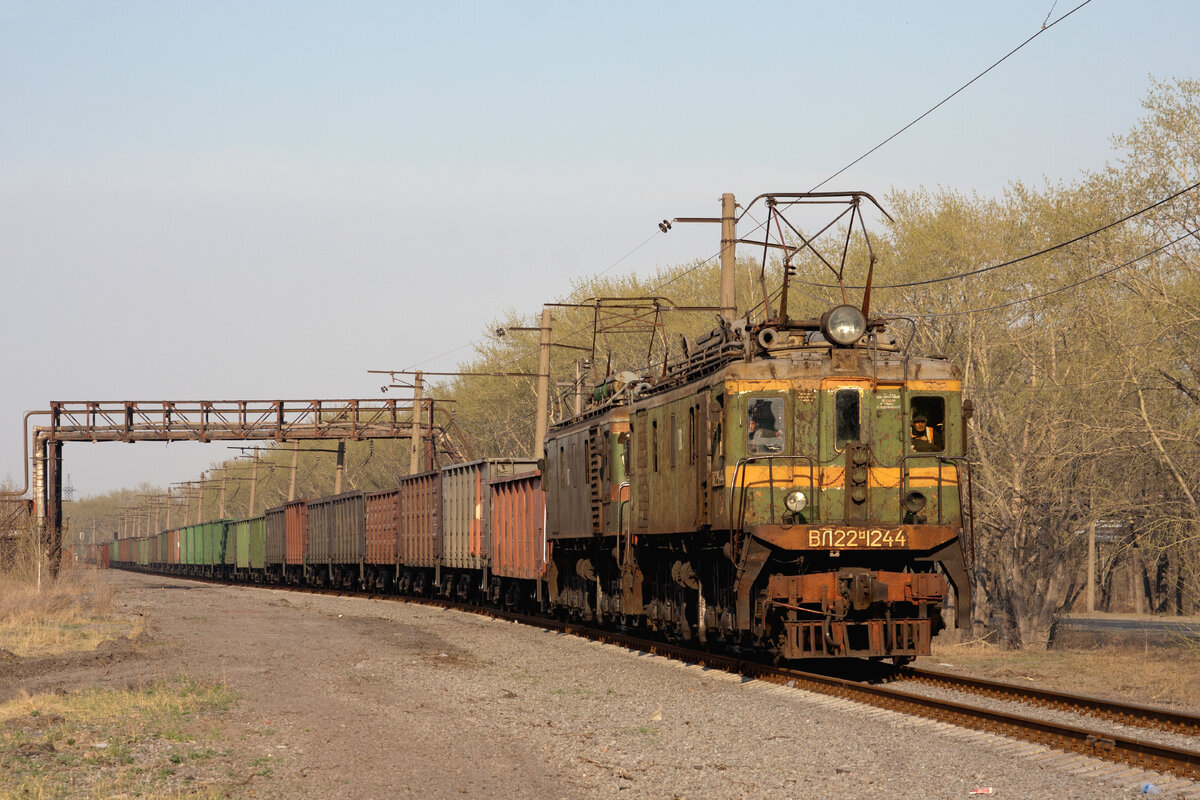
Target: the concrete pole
(292, 483)
(39, 480)
(168, 508)
(414, 455)
(1091, 584)
(578, 389)
(341, 466)
(1136, 588)
(253, 481)
(221, 511)
(200, 498)
(728, 257)
(543, 387)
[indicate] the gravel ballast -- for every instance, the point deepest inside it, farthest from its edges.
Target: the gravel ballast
(360, 698)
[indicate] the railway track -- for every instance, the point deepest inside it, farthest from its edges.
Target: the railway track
(1130, 714)
(1134, 752)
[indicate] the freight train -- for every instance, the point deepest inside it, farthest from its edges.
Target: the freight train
(792, 486)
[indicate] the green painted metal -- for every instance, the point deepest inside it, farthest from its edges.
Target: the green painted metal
(250, 536)
(241, 535)
(229, 548)
(258, 542)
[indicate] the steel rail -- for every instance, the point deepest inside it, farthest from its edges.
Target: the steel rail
(1132, 714)
(1070, 738)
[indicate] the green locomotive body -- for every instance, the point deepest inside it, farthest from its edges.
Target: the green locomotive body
(770, 490)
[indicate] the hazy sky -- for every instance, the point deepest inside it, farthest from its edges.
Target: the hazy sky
(260, 200)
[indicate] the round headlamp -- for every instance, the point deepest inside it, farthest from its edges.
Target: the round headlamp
(795, 502)
(914, 502)
(843, 325)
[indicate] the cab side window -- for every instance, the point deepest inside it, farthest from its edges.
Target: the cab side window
(927, 425)
(764, 426)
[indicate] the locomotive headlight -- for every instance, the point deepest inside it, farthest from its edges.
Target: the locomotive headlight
(914, 502)
(843, 325)
(795, 502)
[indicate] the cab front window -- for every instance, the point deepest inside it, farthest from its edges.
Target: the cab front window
(927, 429)
(764, 426)
(847, 409)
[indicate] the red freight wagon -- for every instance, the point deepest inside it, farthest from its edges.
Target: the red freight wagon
(420, 519)
(383, 527)
(518, 526)
(295, 525)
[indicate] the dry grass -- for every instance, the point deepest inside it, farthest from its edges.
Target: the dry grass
(70, 614)
(1152, 676)
(144, 742)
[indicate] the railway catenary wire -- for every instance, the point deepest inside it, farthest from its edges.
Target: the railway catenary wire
(1098, 744)
(970, 273)
(1044, 27)
(1068, 287)
(991, 268)
(1018, 301)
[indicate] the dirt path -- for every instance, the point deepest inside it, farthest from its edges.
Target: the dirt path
(309, 671)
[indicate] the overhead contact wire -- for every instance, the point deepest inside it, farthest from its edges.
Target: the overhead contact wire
(950, 96)
(1068, 287)
(1051, 249)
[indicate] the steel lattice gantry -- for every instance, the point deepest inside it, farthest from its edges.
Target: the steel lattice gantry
(198, 421)
(225, 420)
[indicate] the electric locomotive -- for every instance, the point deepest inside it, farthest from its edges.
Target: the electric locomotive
(796, 486)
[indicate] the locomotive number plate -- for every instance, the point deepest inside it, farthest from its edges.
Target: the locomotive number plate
(838, 538)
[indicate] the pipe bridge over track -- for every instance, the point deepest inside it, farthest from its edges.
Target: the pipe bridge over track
(208, 421)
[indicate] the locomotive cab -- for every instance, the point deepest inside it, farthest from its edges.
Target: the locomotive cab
(846, 517)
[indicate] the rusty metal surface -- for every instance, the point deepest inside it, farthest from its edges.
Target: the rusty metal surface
(420, 519)
(276, 536)
(295, 517)
(466, 498)
(336, 527)
(518, 520)
(226, 420)
(825, 588)
(866, 536)
(383, 527)
(462, 515)
(568, 501)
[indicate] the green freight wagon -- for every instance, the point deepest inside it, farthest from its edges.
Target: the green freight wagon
(187, 545)
(212, 543)
(251, 538)
(229, 544)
